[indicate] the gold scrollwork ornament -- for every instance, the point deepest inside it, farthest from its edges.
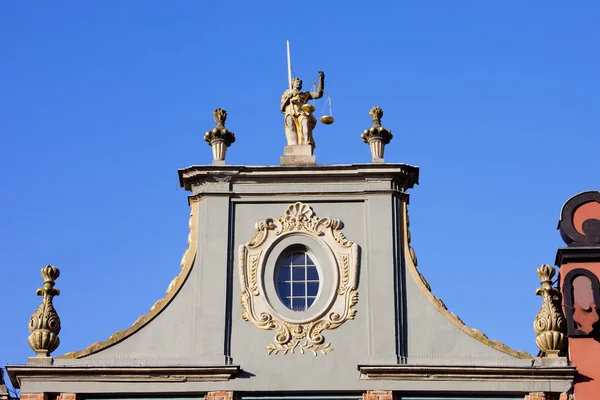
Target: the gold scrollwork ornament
(306, 338)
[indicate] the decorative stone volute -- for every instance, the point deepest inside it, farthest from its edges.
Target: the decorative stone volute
(219, 138)
(550, 325)
(377, 136)
(579, 223)
(44, 324)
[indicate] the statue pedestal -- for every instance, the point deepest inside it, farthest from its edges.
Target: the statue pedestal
(40, 361)
(298, 154)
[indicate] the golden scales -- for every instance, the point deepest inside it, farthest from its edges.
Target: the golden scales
(326, 119)
(310, 108)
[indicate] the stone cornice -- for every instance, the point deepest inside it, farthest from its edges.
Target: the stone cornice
(460, 373)
(19, 373)
(568, 255)
(406, 176)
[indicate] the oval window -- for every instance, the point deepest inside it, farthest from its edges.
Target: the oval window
(297, 279)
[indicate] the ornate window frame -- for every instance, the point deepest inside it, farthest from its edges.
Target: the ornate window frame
(338, 260)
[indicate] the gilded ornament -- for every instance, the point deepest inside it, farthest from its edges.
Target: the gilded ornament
(376, 136)
(327, 119)
(298, 119)
(44, 324)
(305, 337)
(549, 325)
(219, 138)
(302, 347)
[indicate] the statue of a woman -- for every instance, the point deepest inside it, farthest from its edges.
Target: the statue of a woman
(299, 123)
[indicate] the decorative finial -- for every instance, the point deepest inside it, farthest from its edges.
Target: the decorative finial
(377, 136)
(219, 138)
(549, 325)
(44, 325)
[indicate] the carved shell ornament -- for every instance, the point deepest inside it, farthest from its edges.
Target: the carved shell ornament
(302, 333)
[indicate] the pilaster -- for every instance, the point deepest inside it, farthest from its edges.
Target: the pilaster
(213, 279)
(386, 279)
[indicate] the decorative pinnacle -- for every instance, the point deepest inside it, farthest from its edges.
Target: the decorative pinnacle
(549, 325)
(50, 273)
(546, 273)
(220, 133)
(220, 117)
(376, 113)
(44, 324)
(219, 138)
(376, 136)
(376, 130)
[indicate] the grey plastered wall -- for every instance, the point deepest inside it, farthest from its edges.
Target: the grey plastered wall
(394, 324)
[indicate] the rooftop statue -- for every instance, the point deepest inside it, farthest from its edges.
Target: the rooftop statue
(299, 121)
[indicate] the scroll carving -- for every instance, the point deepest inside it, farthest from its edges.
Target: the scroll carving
(291, 336)
(579, 223)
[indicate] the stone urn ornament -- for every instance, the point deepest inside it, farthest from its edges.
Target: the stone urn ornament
(550, 325)
(219, 138)
(44, 324)
(377, 136)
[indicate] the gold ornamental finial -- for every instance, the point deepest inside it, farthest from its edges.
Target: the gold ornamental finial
(549, 325)
(220, 116)
(44, 324)
(219, 138)
(377, 136)
(376, 114)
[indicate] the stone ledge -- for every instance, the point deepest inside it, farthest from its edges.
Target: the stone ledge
(405, 175)
(18, 373)
(460, 373)
(569, 255)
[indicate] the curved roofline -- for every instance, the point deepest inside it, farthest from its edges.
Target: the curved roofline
(188, 261)
(411, 263)
(174, 287)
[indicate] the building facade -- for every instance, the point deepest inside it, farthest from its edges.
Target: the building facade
(300, 282)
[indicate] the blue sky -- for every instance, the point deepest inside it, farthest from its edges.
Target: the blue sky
(102, 102)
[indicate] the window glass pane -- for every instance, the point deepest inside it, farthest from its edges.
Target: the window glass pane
(284, 274)
(312, 289)
(283, 289)
(298, 274)
(298, 304)
(298, 258)
(297, 280)
(312, 274)
(298, 289)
